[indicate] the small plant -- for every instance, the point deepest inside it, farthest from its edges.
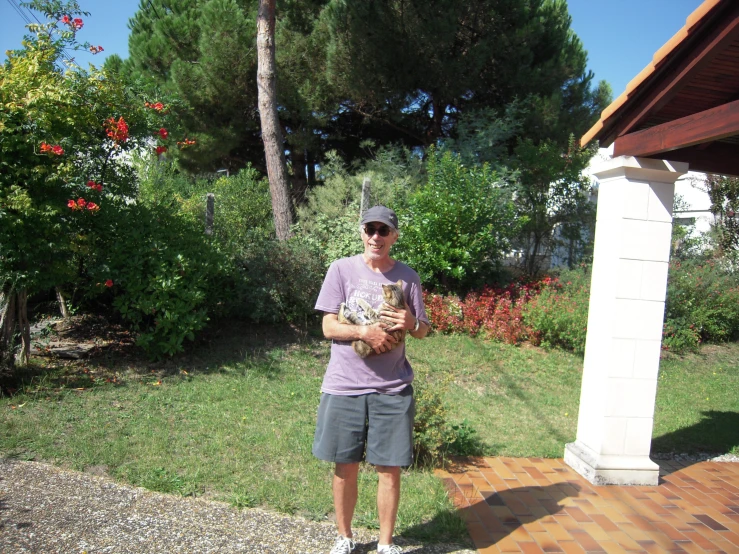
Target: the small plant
(434, 436)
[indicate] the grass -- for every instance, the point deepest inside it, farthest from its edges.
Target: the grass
(233, 420)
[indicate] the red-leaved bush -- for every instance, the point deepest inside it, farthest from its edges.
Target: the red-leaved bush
(494, 313)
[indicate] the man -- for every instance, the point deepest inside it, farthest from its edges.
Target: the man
(366, 410)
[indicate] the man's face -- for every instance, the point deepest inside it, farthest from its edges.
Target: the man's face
(377, 247)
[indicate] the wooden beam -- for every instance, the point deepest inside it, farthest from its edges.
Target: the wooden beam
(708, 126)
(673, 82)
(720, 157)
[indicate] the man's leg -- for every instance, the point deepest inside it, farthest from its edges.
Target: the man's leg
(388, 498)
(345, 496)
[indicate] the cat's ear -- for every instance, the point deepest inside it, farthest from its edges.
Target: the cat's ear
(399, 283)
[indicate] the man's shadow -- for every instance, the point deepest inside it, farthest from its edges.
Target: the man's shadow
(495, 516)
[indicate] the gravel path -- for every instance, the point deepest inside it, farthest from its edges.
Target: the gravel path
(44, 509)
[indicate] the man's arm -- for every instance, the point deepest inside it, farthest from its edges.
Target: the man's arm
(373, 335)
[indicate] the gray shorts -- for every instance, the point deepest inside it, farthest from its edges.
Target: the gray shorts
(375, 427)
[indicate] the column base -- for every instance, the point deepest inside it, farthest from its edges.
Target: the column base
(611, 470)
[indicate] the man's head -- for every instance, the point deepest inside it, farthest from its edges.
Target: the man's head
(379, 231)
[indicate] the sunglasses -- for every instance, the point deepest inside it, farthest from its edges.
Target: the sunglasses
(382, 230)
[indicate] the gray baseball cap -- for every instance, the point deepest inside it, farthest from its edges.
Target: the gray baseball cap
(381, 214)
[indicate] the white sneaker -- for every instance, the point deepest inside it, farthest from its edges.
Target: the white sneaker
(342, 545)
(389, 549)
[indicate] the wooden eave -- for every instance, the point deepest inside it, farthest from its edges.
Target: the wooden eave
(684, 106)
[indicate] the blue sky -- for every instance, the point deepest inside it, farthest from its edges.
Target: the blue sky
(620, 35)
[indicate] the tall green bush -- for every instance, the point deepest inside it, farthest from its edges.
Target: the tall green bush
(242, 205)
(457, 226)
(163, 275)
(280, 281)
(559, 313)
(330, 218)
(702, 304)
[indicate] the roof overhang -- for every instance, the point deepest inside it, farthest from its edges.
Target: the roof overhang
(684, 106)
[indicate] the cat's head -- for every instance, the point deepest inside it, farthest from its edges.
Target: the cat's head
(393, 293)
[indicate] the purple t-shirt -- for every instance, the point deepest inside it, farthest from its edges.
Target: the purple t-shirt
(348, 280)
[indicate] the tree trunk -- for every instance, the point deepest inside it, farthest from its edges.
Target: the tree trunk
(62, 303)
(271, 135)
(311, 169)
(24, 326)
(300, 181)
(7, 327)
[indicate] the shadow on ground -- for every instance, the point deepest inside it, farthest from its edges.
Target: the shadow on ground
(226, 343)
(500, 513)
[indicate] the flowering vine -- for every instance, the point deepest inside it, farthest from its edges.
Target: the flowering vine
(49, 149)
(117, 131)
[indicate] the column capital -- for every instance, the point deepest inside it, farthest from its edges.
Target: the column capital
(641, 169)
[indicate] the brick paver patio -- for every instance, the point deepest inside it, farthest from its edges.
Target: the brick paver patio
(535, 505)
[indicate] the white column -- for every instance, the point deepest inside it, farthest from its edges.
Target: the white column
(627, 300)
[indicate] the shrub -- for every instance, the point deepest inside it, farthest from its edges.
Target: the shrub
(434, 436)
(702, 304)
(280, 281)
(558, 315)
(495, 313)
(161, 273)
(330, 218)
(243, 208)
(457, 226)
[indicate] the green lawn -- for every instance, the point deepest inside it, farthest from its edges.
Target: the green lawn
(233, 419)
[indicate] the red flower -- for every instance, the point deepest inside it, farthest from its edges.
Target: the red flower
(48, 148)
(77, 22)
(117, 130)
(92, 206)
(72, 204)
(66, 19)
(161, 150)
(109, 283)
(96, 49)
(185, 143)
(163, 133)
(95, 186)
(81, 202)
(158, 106)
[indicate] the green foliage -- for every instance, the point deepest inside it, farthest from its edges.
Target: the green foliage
(165, 275)
(330, 218)
(242, 206)
(280, 282)
(351, 71)
(724, 194)
(435, 438)
(553, 195)
(458, 225)
(41, 105)
(702, 304)
(559, 313)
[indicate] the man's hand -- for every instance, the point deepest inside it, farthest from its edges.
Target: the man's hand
(398, 318)
(377, 337)
(374, 335)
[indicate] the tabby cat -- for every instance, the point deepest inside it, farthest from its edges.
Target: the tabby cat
(392, 296)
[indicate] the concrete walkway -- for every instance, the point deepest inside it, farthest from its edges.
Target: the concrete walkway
(47, 510)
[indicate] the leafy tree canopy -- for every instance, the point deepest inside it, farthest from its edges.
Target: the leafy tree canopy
(396, 71)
